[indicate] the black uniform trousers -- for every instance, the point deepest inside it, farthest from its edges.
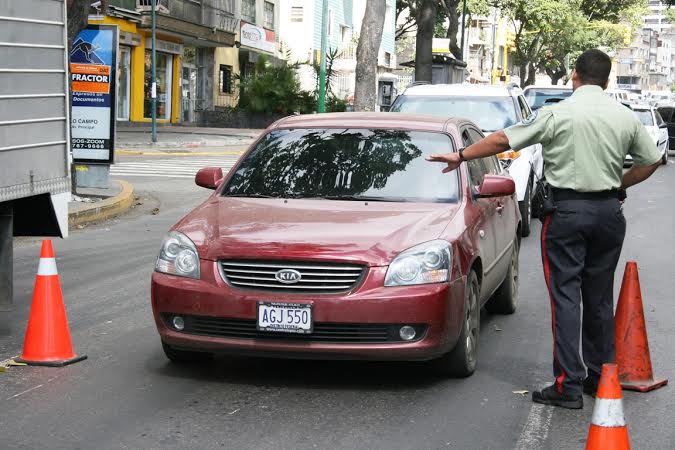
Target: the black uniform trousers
(580, 245)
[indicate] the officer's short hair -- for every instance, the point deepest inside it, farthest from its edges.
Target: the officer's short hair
(593, 67)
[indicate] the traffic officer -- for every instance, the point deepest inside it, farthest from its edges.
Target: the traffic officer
(585, 139)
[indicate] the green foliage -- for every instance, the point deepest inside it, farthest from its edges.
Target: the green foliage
(271, 89)
(334, 104)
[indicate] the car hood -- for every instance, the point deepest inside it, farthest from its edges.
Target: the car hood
(355, 231)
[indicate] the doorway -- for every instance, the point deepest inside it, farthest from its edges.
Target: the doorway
(189, 92)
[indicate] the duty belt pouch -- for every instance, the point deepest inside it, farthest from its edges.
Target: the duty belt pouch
(543, 201)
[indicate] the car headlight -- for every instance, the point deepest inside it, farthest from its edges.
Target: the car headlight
(423, 264)
(178, 256)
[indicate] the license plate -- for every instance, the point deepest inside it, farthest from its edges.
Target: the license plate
(285, 317)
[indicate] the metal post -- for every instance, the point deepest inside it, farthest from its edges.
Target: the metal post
(153, 80)
(495, 54)
(6, 256)
(463, 27)
(322, 62)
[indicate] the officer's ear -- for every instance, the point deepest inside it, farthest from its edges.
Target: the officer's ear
(604, 86)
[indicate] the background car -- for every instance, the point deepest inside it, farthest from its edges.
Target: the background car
(492, 108)
(538, 96)
(656, 127)
(668, 116)
(333, 237)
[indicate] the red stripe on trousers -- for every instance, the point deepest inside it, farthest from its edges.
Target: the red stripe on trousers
(547, 276)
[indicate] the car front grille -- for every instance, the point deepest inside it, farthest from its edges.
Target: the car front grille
(323, 332)
(327, 278)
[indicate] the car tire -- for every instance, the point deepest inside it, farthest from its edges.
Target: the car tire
(505, 299)
(526, 211)
(184, 356)
(461, 360)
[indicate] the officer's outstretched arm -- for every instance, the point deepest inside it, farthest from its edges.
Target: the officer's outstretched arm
(497, 142)
(638, 174)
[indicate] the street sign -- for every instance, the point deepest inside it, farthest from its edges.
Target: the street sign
(93, 75)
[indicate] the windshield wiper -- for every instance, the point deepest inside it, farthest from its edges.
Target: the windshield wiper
(249, 195)
(362, 198)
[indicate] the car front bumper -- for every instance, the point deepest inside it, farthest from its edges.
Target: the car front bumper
(226, 318)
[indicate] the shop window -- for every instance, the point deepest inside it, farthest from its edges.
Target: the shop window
(164, 84)
(225, 79)
(248, 11)
(269, 16)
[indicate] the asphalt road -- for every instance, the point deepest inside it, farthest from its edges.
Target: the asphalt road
(128, 395)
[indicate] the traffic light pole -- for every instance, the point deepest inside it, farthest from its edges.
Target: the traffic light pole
(322, 61)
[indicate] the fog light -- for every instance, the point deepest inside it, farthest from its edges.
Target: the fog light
(179, 323)
(407, 333)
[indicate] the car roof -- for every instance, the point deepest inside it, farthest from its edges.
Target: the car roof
(472, 90)
(551, 86)
(403, 121)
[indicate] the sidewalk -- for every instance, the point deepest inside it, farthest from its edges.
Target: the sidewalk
(96, 205)
(131, 139)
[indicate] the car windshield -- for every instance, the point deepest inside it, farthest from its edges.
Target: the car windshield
(645, 117)
(490, 113)
(346, 164)
(541, 97)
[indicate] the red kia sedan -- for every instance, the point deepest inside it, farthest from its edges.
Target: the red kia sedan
(332, 237)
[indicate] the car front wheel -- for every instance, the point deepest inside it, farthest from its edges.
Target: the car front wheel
(461, 361)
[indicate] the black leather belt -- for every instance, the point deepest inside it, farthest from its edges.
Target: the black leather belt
(569, 194)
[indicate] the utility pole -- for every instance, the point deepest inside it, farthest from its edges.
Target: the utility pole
(463, 26)
(322, 62)
(153, 86)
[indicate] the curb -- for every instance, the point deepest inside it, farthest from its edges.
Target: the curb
(104, 209)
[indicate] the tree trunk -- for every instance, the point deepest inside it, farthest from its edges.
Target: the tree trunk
(522, 67)
(426, 20)
(78, 14)
(365, 92)
(451, 11)
(531, 75)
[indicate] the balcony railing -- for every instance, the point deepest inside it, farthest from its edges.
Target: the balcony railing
(218, 14)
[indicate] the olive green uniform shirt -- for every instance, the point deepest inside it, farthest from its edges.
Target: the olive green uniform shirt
(585, 140)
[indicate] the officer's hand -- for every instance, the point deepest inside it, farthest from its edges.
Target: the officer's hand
(451, 159)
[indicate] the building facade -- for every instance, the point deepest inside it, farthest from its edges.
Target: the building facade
(187, 34)
(300, 38)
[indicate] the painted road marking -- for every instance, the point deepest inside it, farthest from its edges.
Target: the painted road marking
(170, 168)
(536, 428)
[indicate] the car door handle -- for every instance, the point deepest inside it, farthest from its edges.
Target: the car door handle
(500, 208)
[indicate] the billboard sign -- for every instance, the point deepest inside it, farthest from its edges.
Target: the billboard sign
(257, 37)
(93, 67)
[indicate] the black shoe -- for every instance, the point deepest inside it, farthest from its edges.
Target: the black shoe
(550, 396)
(590, 386)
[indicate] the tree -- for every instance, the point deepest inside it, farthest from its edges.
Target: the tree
(365, 92)
(78, 13)
(426, 18)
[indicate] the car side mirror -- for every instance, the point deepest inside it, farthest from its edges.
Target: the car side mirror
(663, 125)
(496, 186)
(209, 177)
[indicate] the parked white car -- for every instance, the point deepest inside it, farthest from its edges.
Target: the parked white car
(492, 108)
(656, 127)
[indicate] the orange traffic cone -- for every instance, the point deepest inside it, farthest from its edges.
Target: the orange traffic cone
(632, 347)
(608, 425)
(47, 340)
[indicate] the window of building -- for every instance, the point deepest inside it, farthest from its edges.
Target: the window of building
(225, 82)
(330, 22)
(387, 59)
(297, 14)
(248, 11)
(164, 83)
(344, 34)
(269, 16)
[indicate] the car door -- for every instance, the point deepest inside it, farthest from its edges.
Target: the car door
(505, 220)
(667, 115)
(534, 152)
(483, 229)
(662, 143)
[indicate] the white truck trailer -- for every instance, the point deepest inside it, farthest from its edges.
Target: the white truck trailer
(34, 127)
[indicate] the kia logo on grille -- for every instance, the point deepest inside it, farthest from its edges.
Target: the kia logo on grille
(288, 276)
